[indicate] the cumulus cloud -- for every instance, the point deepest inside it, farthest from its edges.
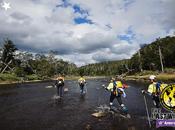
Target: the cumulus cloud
(87, 31)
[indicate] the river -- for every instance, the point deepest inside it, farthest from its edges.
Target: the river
(31, 107)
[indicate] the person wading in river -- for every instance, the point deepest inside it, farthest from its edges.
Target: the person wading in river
(117, 91)
(154, 90)
(60, 84)
(82, 82)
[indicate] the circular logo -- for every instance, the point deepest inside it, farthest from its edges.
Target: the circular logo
(167, 97)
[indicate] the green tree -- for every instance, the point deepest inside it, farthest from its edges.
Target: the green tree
(150, 57)
(8, 52)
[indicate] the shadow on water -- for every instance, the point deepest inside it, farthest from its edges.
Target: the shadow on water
(7, 86)
(6, 94)
(82, 98)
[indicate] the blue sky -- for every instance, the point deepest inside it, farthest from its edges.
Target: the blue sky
(128, 36)
(87, 31)
(77, 9)
(80, 20)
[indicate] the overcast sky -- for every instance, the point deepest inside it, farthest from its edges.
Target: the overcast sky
(86, 31)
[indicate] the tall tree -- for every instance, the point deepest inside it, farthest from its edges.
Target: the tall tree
(8, 51)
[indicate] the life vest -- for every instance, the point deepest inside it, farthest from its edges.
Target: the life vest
(82, 81)
(116, 88)
(119, 84)
(156, 88)
(115, 92)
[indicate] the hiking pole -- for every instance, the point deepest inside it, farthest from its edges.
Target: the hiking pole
(147, 111)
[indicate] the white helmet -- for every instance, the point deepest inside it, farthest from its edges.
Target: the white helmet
(152, 77)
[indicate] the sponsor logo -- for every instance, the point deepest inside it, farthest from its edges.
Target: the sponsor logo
(167, 98)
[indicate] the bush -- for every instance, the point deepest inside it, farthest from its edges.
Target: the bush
(19, 72)
(147, 72)
(33, 77)
(170, 70)
(8, 77)
(166, 77)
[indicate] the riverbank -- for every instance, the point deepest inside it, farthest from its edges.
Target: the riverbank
(14, 83)
(161, 77)
(86, 77)
(138, 77)
(12, 79)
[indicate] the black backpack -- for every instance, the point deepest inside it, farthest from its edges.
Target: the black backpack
(60, 82)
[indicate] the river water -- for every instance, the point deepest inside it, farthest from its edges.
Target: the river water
(32, 107)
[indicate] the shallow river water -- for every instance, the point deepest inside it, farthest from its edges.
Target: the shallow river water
(32, 107)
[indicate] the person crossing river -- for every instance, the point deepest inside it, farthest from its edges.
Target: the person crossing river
(117, 91)
(154, 90)
(59, 84)
(82, 83)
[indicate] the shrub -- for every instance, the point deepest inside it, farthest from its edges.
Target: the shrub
(19, 71)
(170, 70)
(33, 77)
(9, 77)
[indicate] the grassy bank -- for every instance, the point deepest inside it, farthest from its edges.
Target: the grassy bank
(12, 78)
(145, 76)
(86, 77)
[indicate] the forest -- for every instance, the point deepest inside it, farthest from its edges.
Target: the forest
(15, 64)
(156, 56)
(148, 57)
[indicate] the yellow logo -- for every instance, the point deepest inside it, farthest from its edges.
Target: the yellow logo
(167, 97)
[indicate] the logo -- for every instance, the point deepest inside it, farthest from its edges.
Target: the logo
(167, 98)
(163, 118)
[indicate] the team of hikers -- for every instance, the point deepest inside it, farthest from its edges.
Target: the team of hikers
(117, 89)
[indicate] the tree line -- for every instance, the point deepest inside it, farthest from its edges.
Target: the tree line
(105, 68)
(47, 65)
(147, 58)
(23, 63)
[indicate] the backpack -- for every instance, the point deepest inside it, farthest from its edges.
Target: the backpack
(114, 88)
(158, 84)
(117, 90)
(60, 82)
(81, 83)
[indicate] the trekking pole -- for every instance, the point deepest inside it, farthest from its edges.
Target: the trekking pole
(149, 121)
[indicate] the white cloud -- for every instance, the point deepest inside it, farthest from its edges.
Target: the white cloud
(62, 15)
(38, 25)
